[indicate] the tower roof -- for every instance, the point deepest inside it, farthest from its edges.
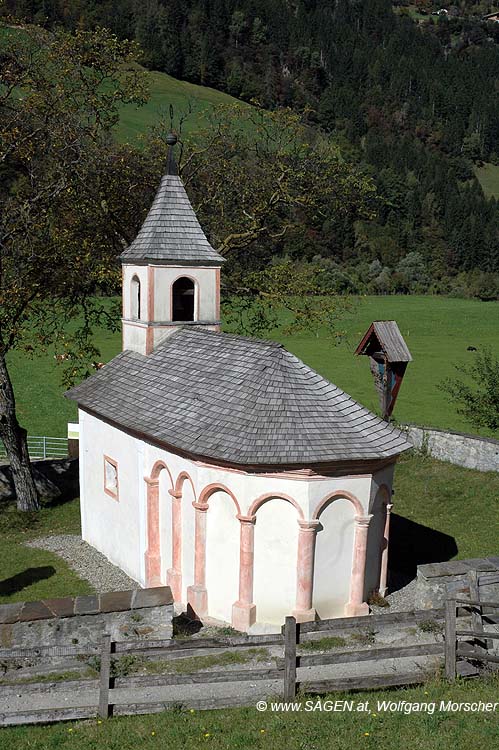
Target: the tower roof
(171, 233)
(237, 400)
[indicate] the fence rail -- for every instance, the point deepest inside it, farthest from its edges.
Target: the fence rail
(42, 446)
(478, 649)
(114, 694)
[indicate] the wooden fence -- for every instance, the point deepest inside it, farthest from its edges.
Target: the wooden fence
(116, 695)
(478, 649)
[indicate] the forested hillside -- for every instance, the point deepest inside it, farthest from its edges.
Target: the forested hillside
(414, 103)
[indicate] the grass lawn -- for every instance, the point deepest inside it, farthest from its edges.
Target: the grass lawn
(488, 176)
(247, 728)
(30, 574)
(458, 502)
(438, 331)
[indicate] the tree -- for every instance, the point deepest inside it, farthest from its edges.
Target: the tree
(262, 183)
(58, 103)
(477, 396)
(261, 176)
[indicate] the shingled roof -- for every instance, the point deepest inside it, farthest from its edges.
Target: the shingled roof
(385, 334)
(237, 400)
(171, 232)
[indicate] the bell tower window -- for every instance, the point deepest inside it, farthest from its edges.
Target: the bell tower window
(135, 298)
(183, 299)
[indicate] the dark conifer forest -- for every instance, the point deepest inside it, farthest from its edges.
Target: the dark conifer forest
(411, 99)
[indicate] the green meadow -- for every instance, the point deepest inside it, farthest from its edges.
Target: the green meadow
(438, 331)
(488, 177)
(189, 101)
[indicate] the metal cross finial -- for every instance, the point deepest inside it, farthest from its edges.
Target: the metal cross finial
(171, 164)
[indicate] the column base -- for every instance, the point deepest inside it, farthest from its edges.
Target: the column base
(304, 615)
(197, 599)
(174, 581)
(383, 592)
(243, 615)
(153, 571)
(356, 610)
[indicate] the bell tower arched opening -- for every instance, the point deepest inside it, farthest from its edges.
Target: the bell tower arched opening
(183, 299)
(135, 298)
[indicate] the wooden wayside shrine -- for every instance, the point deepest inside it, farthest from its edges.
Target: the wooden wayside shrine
(388, 359)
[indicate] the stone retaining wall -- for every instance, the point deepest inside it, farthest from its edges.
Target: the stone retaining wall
(470, 451)
(437, 581)
(55, 479)
(143, 613)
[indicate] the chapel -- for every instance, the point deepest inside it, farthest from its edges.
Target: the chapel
(220, 465)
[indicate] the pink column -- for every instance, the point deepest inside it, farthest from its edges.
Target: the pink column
(197, 596)
(244, 611)
(153, 555)
(384, 554)
(174, 574)
(305, 571)
(357, 606)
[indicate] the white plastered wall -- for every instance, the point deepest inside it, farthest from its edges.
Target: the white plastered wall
(165, 524)
(110, 525)
(205, 293)
(335, 539)
(333, 559)
(118, 528)
(381, 492)
(134, 332)
(222, 559)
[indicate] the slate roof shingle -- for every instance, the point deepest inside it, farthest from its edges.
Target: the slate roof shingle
(171, 232)
(238, 400)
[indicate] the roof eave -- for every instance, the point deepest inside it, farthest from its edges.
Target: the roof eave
(353, 465)
(130, 260)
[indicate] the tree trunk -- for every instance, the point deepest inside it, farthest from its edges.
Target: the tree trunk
(14, 439)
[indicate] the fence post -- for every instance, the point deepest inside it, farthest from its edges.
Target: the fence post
(289, 658)
(450, 639)
(476, 611)
(105, 674)
(44, 446)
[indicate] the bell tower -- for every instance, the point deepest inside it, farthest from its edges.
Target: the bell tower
(171, 273)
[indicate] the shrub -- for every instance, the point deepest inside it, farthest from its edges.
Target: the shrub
(477, 401)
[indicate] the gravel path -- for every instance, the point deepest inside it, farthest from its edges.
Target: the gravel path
(86, 562)
(401, 600)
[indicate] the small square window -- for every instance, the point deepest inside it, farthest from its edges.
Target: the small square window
(111, 477)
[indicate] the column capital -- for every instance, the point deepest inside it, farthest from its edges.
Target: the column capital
(246, 519)
(389, 507)
(175, 494)
(363, 521)
(151, 482)
(311, 525)
(203, 507)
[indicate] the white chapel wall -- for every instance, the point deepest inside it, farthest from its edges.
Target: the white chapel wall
(165, 524)
(380, 495)
(129, 272)
(205, 292)
(110, 525)
(222, 556)
(333, 558)
(276, 546)
(188, 530)
(118, 528)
